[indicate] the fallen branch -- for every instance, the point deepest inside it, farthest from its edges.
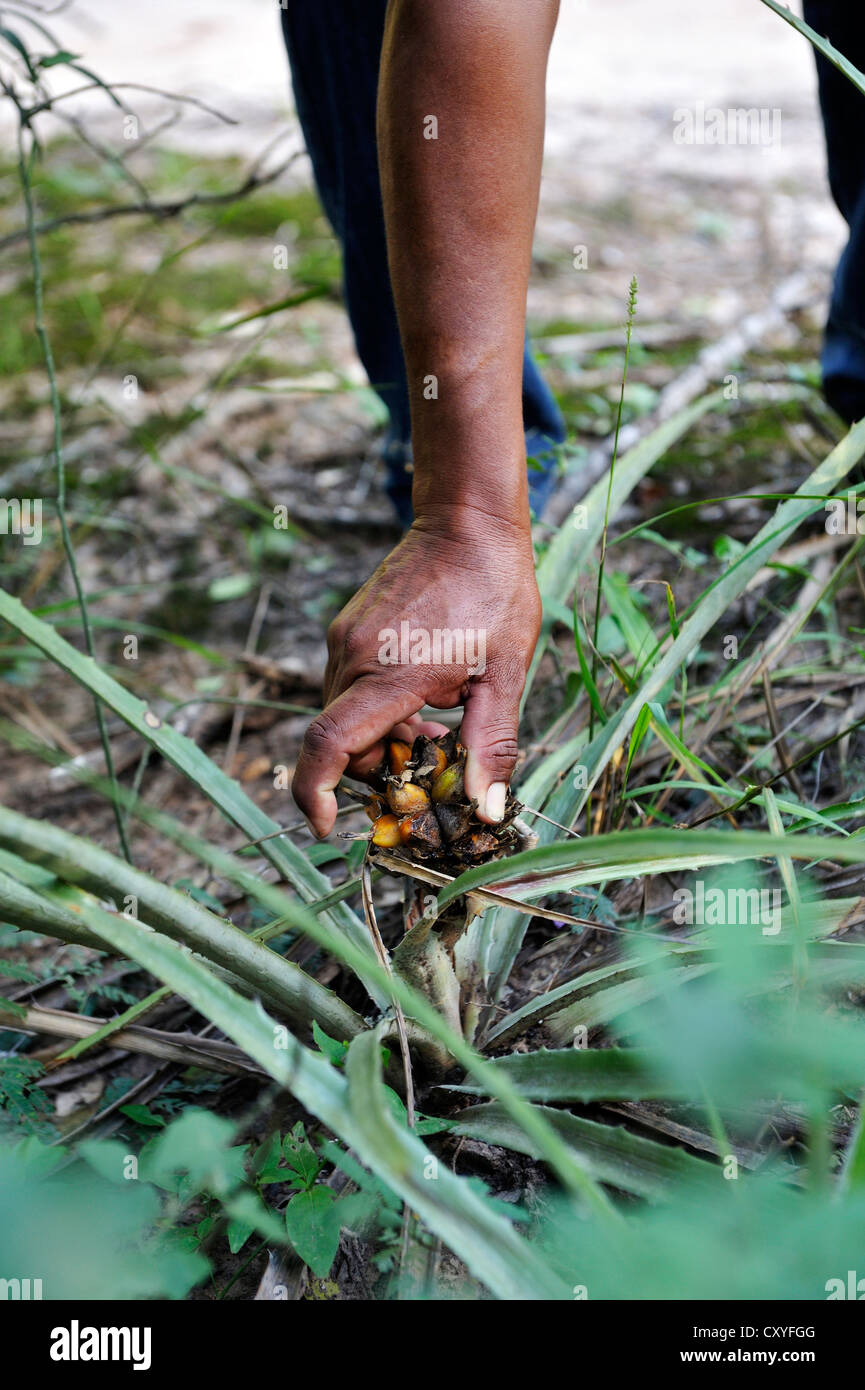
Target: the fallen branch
(211, 1054)
(146, 208)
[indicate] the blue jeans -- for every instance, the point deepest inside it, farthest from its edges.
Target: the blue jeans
(843, 108)
(333, 48)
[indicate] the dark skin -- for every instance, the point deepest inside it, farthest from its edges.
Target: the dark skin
(460, 212)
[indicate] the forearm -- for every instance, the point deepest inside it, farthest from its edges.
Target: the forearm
(460, 212)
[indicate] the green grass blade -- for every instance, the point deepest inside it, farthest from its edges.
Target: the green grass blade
(808, 499)
(490, 946)
(612, 1155)
(532, 1013)
(571, 548)
(183, 754)
(603, 1007)
(584, 1074)
(75, 860)
(652, 850)
(822, 45)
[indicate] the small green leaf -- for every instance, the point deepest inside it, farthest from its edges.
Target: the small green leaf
(334, 1051)
(637, 735)
(238, 1234)
(142, 1116)
(197, 1143)
(727, 548)
(203, 1229)
(52, 59)
(423, 1124)
(229, 586)
(312, 1223)
(301, 1157)
(266, 1160)
(431, 1124)
(13, 39)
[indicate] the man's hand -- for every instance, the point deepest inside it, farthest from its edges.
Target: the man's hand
(470, 580)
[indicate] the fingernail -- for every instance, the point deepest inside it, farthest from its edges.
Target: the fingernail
(494, 804)
(311, 828)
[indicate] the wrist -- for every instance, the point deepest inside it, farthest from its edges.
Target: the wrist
(473, 478)
(477, 526)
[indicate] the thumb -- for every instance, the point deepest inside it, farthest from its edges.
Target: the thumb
(489, 734)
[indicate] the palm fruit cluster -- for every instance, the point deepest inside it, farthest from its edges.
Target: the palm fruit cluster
(418, 806)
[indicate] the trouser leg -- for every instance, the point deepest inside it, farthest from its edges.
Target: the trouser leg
(843, 110)
(334, 48)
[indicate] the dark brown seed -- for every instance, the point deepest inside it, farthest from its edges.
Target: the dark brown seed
(421, 831)
(427, 760)
(378, 776)
(450, 745)
(454, 821)
(479, 844)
